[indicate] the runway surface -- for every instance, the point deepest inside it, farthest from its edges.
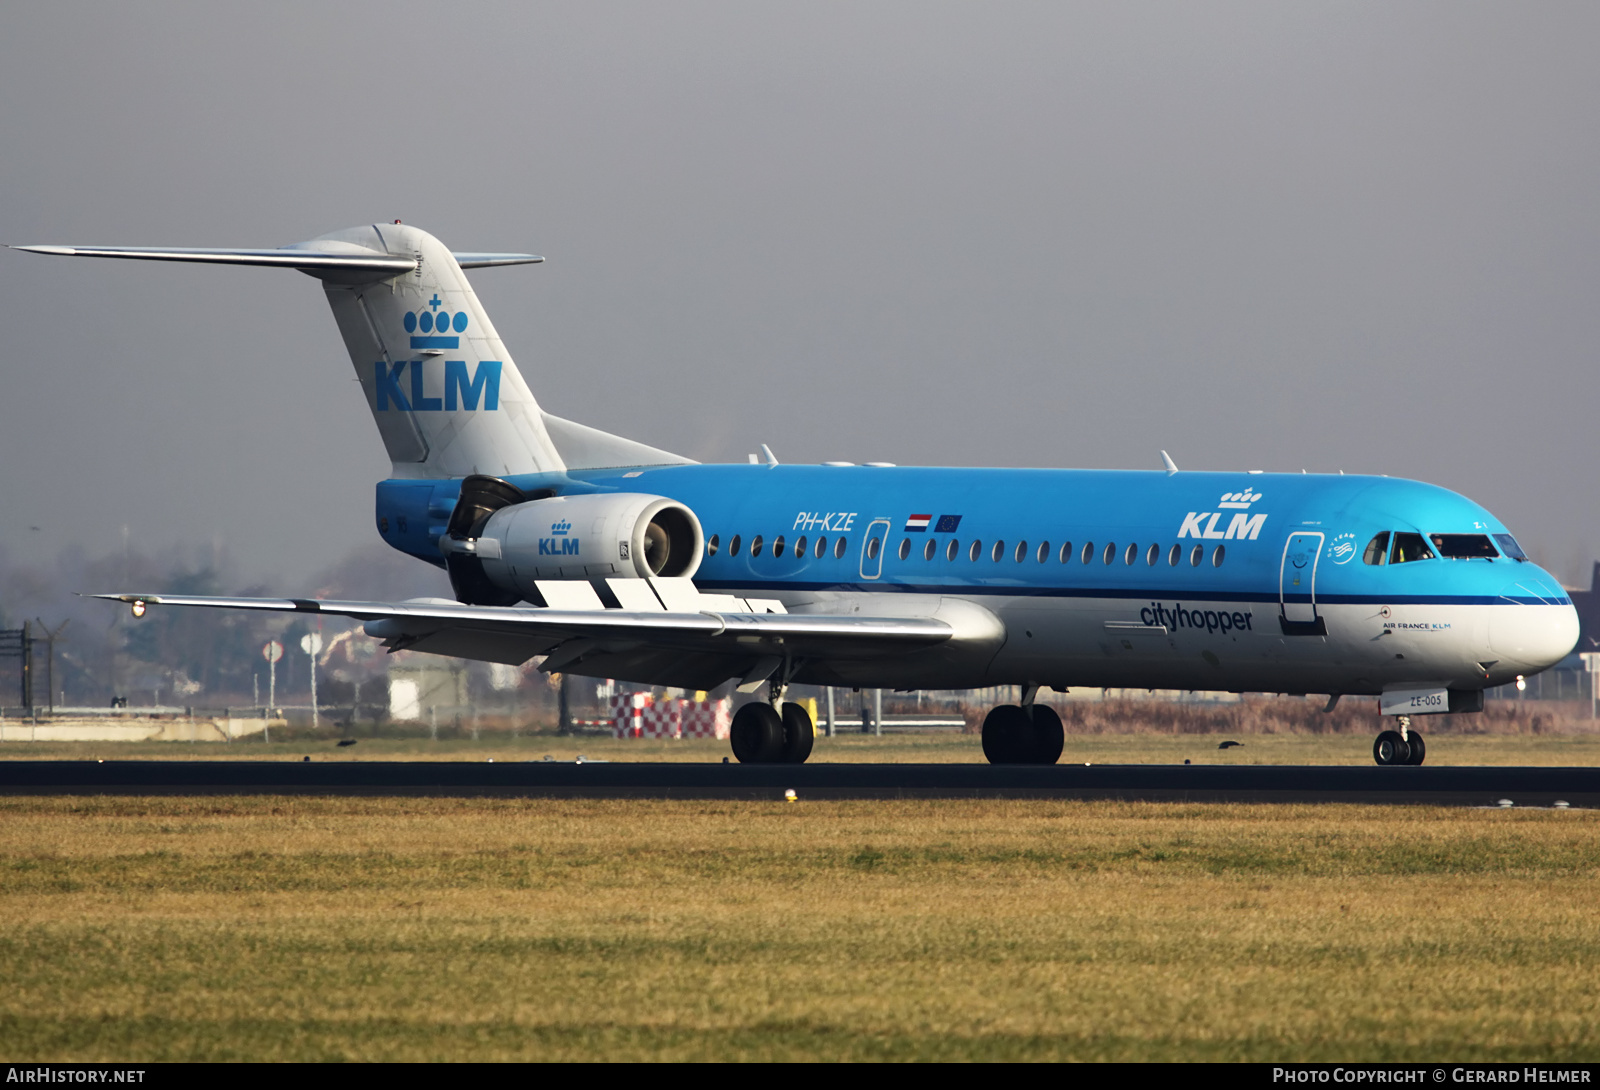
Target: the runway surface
(1445, 786)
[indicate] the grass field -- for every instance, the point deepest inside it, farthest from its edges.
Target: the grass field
(1321, 749)
(325, 928)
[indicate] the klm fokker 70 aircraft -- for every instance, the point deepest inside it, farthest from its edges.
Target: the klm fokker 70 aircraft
(615, 559)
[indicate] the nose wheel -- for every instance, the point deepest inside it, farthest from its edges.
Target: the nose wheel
(1400, 747)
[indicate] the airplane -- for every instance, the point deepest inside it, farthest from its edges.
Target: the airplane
(612, 558)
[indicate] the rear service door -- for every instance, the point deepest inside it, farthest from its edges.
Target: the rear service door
(1297, 580)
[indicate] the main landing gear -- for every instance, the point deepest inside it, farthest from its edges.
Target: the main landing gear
(1400, 747)
(1026, 735)
(762, 734)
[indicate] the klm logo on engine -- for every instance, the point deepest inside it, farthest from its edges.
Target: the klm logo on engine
(558, 543)
(1241, 527)
(406, 386)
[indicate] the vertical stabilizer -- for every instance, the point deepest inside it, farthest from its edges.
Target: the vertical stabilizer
(447, 399)
(445, 394)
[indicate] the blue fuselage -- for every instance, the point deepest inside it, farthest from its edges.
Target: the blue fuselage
(1111, 578)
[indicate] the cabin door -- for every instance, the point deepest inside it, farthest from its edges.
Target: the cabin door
(872, 549)
(1297, 582)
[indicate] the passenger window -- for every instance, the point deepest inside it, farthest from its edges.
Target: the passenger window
(755, 545)
(1022, 551)
(711, 546)
(1153, 555)
(1464, 546)
(998, 551)
(1194, 556)
(733, 546)
(1509, 546)
(822, 547)
(929, 549)
(1066, 552)
(1409, 547)
(872, 548)
(839, 548)
(1216, 557)
(1044, 551)
(975, 551)
(1174, 554)
(777, 546)
(1377, 549)
(1130, 554)
(905, 547)
(1088, 551)
(952, 549)
(800, 548)
(1110, 554)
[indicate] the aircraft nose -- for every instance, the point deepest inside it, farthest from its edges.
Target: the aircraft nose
(1536, 632)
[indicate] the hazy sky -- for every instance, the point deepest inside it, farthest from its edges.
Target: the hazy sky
(1280, 236)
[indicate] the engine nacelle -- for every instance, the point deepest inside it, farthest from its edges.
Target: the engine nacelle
(625, 534)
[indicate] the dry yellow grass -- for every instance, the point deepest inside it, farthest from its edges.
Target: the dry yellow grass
(315, 928)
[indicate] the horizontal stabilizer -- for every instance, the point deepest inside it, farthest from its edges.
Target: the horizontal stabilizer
(489, 261)
(286, 258)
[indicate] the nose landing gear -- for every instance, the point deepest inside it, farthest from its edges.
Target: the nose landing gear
(1400, 747)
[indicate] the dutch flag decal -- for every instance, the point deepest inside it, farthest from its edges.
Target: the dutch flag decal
(917, 524)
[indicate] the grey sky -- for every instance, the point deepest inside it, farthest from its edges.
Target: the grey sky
(1338, 236)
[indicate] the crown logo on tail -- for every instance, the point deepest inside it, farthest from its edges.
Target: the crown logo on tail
(432, 328)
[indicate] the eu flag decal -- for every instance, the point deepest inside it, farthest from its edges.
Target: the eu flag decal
(948, 524)
(917, 524)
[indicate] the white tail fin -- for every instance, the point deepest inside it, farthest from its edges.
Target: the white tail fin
(445, 394)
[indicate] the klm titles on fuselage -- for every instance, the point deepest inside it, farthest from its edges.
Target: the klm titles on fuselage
(1241, 527)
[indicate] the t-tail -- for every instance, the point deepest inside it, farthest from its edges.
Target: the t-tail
(443, 390)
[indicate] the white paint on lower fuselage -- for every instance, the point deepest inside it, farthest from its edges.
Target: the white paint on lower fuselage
(1226, 645)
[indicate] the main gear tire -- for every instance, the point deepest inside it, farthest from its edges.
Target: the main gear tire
(1008, 736)
(798, 734)
(756, 734)
(1049, 737)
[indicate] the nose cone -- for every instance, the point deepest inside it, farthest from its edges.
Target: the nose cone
(1533, 628)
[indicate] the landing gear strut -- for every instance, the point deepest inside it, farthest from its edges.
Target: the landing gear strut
(1028, 735)
(1400, 747)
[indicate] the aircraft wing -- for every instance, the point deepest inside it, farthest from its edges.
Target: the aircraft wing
(742, 641)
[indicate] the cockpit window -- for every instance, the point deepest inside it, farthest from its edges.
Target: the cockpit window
(1463, 546)
(1409, 547)
(1377, 549)
(1509, 546)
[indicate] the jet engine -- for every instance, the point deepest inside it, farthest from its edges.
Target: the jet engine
(500, 540)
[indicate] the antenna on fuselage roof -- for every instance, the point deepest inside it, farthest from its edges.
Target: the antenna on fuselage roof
(1166, 460)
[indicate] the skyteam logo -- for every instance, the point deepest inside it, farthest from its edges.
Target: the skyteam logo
(558, 543)
(435, 325)
(459, 391)
(1203, 524)
(1342, 549)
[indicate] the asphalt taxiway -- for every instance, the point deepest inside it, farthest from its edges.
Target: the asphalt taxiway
(1445, 786)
